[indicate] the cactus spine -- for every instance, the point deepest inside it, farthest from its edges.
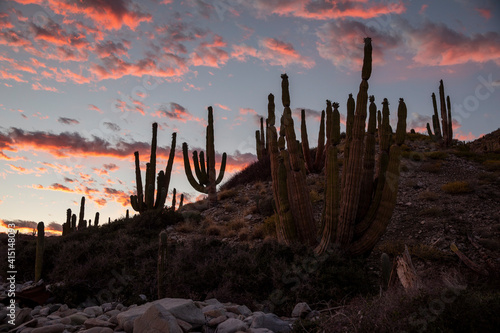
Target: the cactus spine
(348, 221)
(144, 200)
(40, 247)
(205, 172)
(162, 264)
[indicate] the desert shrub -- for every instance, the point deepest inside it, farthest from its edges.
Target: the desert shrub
(265, 204)
(431, 167)
(428, 196)
(227, 194)
(487, 178)
(405, 147)
(192, 216)
(417, 137)
(416, 157)
(457, 187)
(242, 199)
(236, 224)
(492, 165)
(436, 155)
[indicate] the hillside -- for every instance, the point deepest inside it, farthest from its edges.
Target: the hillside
(229, 252)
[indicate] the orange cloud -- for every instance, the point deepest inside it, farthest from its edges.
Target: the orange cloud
(274, 52)
(327, 10)
(108, 15)
(4, 75)
(39, 86)
(223, 107)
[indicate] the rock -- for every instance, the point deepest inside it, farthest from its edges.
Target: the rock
(301, 310)
(239, 310)
(93, 311)
(94, 322)
(78, 319)
(217, 321)
(183, 309)
(259, 330)
(269, 321)
(57, 328)
(232, 325)
(54, 308)
(44, 311)
(156, 319)
(23, 315)
(98, 330)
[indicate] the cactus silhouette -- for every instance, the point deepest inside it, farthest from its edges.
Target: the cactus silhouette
(40, 248)
(81, 222)
(319, 161)
(162, 264)
(206, 181)
(144, 200)
(444, 131)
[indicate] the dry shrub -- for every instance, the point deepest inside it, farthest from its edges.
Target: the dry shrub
(431, 167)
(457, 187)
(492, 165)
(236, 224)
(436, 155)
(227, 194)
(428, 196)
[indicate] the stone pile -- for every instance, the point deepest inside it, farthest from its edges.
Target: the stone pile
(170, 315)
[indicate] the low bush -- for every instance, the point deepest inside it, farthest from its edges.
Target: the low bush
(457, 187)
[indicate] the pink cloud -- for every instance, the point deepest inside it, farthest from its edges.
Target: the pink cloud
(4, 75)
(223, 107)
(274, 52)
(210, 54)
(486, 13)
(327, 10)
(438, 45)
(39, 86)
(95, 108)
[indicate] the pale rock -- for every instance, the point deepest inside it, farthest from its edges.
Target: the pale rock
(217, 321)
(269, 321)
(301, 310)
(77, 319)
(156, 319)
(23, 315)
(93, 311)
(94, 322)
(232, 325)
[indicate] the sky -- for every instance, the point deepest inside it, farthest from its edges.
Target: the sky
(81, 83)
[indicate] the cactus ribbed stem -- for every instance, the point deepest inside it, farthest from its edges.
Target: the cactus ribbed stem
(162, 265)
(96, 219)
(40, 248)
(435, 119)
(81, 221)
(444, 114)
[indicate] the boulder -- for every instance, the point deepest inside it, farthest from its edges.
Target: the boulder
(57, 328)
(98, 330)
(94, 322)
(232, 325)
(269, 321)
(156, 319)
(183, 309)
(301, 310)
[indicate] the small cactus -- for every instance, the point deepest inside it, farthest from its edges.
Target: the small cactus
(162, 264)
(40, 247)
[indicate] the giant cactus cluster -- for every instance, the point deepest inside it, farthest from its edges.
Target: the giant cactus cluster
(442, 132)
(358, 207)
(145, 200)
(206, 181)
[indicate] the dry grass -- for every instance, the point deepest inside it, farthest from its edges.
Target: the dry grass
(457, 187)
(436, 155)
(227, 194)
(431, 167)
(492, 165)
(236, 224)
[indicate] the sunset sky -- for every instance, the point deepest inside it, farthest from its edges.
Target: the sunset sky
(82, 82)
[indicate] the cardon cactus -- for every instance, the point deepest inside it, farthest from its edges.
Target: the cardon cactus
(261, 141)
(96, 219)
(206, 181)
(82, 224)
(352, 219)
(67, 225)
(444, 131)
(40, 248)
(319, 161)
(162, 264)
(144, 200)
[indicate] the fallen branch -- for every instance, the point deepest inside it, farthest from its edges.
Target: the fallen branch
(469, 263)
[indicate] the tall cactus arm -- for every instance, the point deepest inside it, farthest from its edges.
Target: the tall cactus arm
(286, 226)
(444, 114)
(305, 142)
(435, 118)
(222, 169)
(139, 198)
(368, 240)
(187, 168)
(429, 131)
(351, 187)
(161, 196)
(199, 168)
(320, 150)
(450, 122)
(258, 145)
(170, 163)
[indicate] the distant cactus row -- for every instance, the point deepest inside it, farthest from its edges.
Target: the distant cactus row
(358, 205)
(70, 225)
(443, 132)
